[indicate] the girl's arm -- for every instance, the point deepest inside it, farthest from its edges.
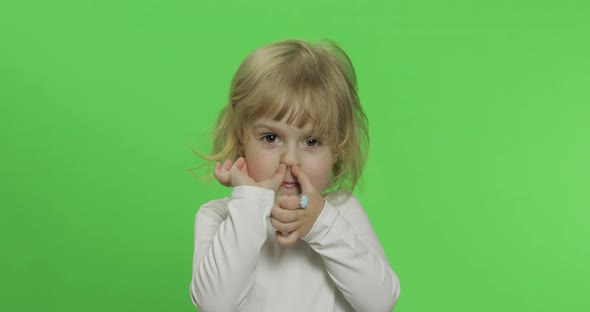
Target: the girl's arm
(227, 247)
(228, 239)
(353, 257)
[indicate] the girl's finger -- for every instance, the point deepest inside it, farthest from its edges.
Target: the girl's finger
(306, 186)
(218, 171)
(239, 163)
(289, 202)
(227, 165)
(245, 168)
(279, 176)
(285, 227)
(289, 240)
(285, 215)
(217, 175)
(222, 177)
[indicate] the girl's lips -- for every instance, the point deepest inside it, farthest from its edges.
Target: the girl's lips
(289, 185)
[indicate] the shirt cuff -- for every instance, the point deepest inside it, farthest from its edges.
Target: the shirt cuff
(322, 225)
(259, 194)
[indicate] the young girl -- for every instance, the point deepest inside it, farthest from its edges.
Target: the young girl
(293, 131)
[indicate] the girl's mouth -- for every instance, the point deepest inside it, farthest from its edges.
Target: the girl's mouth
(290, 185)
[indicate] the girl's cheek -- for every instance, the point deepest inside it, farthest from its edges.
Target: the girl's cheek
(263, 166)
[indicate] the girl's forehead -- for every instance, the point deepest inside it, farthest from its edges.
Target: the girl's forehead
(263, 123)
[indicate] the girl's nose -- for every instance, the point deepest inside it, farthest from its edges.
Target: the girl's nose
(290, 157)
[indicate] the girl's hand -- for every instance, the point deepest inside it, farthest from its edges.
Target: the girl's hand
(236, 174)
(222, 172)
(288, 217)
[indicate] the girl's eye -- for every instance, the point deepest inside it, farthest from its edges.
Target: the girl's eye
(312, 142)
(270, 138)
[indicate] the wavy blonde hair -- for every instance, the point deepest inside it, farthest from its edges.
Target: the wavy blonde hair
(304, 82)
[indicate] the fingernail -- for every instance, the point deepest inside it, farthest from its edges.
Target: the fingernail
(285, 234)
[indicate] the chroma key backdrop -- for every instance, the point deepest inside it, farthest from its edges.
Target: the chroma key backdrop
(477, 183)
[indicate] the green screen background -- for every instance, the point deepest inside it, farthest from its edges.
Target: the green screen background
(478, 182)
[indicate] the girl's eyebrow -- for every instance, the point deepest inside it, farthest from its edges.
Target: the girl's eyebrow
(266, 127)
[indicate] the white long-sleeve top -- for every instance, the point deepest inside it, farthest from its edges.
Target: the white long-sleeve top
(239, 266)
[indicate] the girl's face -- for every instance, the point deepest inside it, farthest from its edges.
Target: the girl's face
(269, 143)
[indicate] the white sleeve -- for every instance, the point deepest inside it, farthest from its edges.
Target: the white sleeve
(227, 248)
(354, 258)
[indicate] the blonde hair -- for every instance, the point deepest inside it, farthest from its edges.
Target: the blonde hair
(303, 82)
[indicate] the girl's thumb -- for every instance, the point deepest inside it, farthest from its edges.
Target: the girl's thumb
(279, 176)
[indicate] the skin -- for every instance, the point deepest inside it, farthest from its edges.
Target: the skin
(290, 161)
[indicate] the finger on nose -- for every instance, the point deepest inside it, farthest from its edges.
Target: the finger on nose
(282, 167)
